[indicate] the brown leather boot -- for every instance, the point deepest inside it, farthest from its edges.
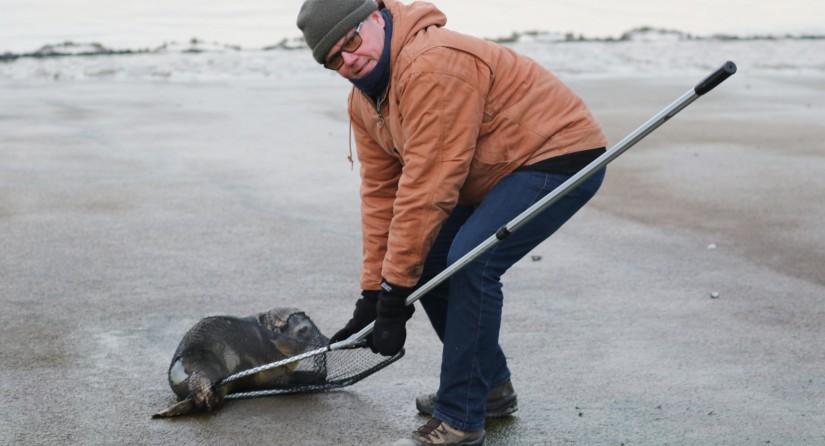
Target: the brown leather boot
(501, 401)
(437, 432)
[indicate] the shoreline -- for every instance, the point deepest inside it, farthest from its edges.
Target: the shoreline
(72, 48)
(568, 60)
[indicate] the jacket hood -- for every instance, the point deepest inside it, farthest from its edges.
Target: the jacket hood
(407, 20)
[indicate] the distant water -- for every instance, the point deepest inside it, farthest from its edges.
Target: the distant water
(26, 25)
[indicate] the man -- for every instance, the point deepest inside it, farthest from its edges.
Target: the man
(456, 136)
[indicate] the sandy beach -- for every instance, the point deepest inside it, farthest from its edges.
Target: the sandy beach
(141, 193)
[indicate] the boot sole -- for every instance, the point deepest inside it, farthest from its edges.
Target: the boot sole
(499, 409)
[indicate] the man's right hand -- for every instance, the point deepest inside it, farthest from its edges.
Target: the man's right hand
(365, 312)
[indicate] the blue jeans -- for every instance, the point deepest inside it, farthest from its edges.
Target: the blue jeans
(465, 310)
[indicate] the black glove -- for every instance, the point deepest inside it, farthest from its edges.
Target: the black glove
(365, 312)
(389, 333)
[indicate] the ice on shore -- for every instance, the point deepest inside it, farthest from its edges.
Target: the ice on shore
(638, 53)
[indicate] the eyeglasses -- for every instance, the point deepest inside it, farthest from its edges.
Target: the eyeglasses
(352, 44)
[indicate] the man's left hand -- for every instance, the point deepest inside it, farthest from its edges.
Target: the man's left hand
(389, 332)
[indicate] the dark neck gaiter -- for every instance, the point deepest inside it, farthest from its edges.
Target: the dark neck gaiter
(375, 83)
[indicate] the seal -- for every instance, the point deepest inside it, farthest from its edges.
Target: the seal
(220, 346)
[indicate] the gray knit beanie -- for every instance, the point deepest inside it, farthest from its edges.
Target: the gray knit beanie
(325, 22)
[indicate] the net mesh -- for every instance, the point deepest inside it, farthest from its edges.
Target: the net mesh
(218, 347)
(325, 371)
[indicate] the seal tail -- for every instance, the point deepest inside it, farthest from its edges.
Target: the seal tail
(182, 408)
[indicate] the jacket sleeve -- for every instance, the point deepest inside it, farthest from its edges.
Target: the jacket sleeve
(379, 180)
(441, 98)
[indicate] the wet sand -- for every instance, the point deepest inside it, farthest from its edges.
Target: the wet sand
(129, 210)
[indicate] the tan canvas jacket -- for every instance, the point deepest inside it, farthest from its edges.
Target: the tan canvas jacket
(460, 113)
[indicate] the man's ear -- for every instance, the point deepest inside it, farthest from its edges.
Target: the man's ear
(378, 17)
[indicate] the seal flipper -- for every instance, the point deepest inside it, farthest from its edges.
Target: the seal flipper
(181, 408)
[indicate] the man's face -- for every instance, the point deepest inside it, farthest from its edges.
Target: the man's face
(361, 61)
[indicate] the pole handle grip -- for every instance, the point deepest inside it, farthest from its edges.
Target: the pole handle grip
(710, 82)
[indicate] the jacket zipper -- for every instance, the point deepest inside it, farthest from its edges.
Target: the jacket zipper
(378, 103)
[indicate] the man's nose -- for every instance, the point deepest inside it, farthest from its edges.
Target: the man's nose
(349, 58)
